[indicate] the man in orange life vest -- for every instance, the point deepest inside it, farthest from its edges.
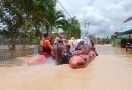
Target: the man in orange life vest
(47, 47)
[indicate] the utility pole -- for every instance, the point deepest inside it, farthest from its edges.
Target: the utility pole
(86, 29)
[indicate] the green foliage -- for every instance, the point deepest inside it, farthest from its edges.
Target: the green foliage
(27, 19)
(72, 28)
(115, 41)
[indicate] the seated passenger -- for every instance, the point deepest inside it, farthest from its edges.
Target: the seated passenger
(66, 54)
(94, 49)
(47, 47)
(80, 45)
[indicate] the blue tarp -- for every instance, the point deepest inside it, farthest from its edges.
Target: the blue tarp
(125, 29)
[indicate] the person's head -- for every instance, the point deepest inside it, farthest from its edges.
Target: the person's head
(92, 43)
(60, 35)
(81, 43)
(68, 47)
(45, 35)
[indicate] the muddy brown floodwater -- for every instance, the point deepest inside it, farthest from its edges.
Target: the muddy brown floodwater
(111, 70)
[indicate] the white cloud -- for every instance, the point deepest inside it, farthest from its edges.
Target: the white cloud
(103, 15)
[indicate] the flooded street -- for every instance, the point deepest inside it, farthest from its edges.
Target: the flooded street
(111, 70)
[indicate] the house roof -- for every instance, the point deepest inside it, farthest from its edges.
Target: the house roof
(126, 30)
(126, 36)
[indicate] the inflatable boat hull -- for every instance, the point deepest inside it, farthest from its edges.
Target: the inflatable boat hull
(36, 59)
(81, 61)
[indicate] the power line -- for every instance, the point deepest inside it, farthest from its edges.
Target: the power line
(63, 8)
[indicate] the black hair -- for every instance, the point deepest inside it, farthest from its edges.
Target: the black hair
(92, 43)
(68, 46)
(45, 35)
(60, 41)
(81, 43)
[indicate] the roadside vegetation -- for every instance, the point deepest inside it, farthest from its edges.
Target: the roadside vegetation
(26, 20)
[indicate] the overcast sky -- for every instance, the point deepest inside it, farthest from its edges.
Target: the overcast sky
(104, 16)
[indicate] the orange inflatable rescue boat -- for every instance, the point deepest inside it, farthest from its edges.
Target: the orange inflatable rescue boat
(82, 55)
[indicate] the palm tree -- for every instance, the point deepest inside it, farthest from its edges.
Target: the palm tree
(52, 18)
(26, 17)
(71, 28)
(75, 27)
(55, 20)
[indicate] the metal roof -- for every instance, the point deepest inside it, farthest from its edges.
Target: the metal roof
(125, 30)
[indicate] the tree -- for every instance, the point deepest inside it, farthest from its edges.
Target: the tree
(71, 28)
(27, 19)
(12, 19)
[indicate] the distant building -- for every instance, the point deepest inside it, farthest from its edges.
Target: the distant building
(125, 36)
